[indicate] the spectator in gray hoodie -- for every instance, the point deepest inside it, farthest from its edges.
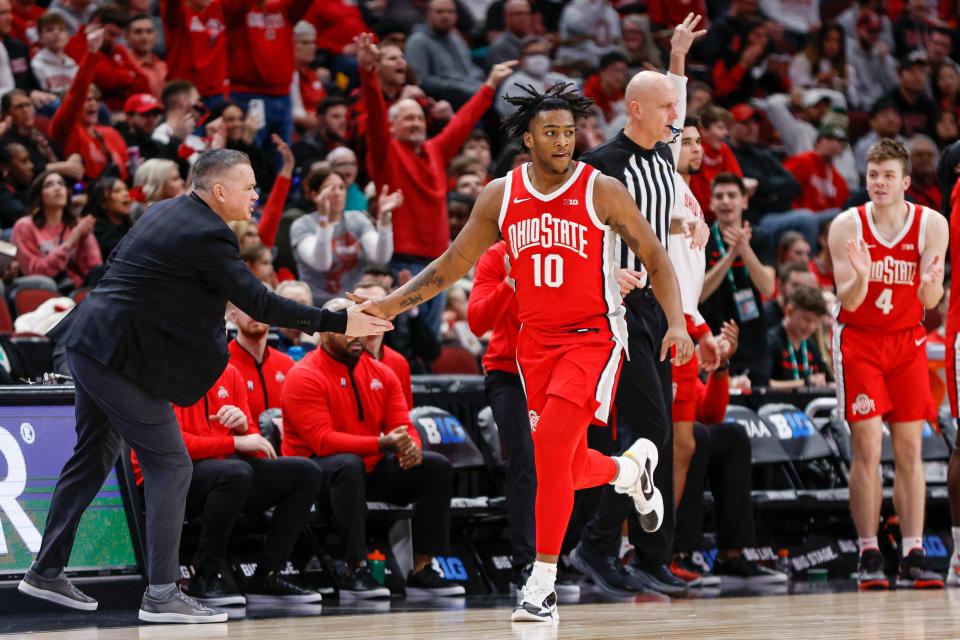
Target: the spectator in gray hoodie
(441, 58)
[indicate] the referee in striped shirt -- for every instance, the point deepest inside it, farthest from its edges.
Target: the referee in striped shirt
(642, 158)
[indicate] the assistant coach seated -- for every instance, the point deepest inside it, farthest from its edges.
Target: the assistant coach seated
(235, 471)
(347, 411)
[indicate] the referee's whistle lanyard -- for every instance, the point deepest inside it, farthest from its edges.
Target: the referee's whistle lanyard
(744, 300)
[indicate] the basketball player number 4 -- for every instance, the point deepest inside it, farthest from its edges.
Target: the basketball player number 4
(547, 270)
(884, 301)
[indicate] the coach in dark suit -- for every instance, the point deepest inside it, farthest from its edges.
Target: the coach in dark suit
(152, 333)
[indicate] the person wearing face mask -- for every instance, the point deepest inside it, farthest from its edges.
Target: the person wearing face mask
(332, 246)
(534, 70)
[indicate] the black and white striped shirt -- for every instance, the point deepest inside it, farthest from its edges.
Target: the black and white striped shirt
(648, 176)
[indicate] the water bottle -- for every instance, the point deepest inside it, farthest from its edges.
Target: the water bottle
(783, 562)
(377, 563)
(295, 352)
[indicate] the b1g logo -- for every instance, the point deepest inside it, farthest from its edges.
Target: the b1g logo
(12, 487)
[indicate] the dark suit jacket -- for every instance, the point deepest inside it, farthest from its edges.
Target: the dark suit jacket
(157, 314)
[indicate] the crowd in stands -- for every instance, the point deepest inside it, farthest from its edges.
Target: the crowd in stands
(368, 166)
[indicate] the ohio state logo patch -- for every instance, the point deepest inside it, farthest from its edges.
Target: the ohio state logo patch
(863, 404)
(534, 419)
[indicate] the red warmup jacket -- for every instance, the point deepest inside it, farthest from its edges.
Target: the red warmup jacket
(206, 438)
(493, 307)
(399, 365)
(953, 312)
(420, 225)
(821, 185)
(715, 162)
(337, 23)
(260, 42)
(201, 52)
(273, 211)
(263, 380)
(117, 74)
(66, 129)
(329, 408)
(713, 398)
(24, 26)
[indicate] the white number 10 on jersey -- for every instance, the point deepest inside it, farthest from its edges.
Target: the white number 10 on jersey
(547, 270)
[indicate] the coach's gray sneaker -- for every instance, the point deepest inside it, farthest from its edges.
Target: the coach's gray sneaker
(178, 608)
(58, 590)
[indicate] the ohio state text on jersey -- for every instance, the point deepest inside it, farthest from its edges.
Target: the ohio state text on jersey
(891, 303)
(561, 255)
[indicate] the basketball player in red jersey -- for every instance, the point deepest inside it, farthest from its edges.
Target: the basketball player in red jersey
(952, 340)
(558, 218)
(888, 258)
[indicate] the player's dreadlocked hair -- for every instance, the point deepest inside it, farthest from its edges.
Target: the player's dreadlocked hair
(562, 96)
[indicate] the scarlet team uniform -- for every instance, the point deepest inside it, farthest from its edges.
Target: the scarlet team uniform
(572, 329)
(953, 313)
(879, 351)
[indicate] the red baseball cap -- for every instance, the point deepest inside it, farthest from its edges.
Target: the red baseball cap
(141, 103)
(743, 112)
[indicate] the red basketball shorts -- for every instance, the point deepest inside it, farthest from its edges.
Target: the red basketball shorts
(685, 391)
(580, 367)
(882, 374)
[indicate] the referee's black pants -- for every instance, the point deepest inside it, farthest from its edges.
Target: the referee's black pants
(722, 458)
(643, 403)
(508, 403)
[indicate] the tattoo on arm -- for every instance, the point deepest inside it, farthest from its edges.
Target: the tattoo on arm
(426, 279)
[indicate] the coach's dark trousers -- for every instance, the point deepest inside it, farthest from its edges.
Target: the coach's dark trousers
(428, 485)
(644, 399)
(221, 490)
(508, 403)
(110, 408)
(722, 457)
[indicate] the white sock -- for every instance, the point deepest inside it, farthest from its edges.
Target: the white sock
(627, 472)
(544, 574)
(956, 542)
(868, 543)
(910, 543)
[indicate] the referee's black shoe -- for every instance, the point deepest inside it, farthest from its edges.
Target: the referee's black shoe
(659, 579)
(605, 571)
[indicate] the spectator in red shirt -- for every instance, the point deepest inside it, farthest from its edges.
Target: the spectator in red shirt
(262, 367)
(197, 26)
(822, 188)
(235, 471)
(75, 124)
(404, 159)
(261, 60)
(142, 40)
(493, 309)
(924, 156)
(718, 157)
(51, 241)
(26, 13)
(116, 70)
(337, 23)
(306, 90)
(370, 288)
(346, 411)
(606, 87)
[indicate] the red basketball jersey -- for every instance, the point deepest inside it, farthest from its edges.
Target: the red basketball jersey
(891, 303)
(561, 255)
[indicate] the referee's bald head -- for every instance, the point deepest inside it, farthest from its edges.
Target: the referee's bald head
(651, 107)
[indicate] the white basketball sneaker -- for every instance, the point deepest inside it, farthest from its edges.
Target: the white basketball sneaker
(646, 497)
(953, 576)
(538, 604)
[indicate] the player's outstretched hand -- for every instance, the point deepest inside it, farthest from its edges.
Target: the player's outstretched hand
(859, 255)
(366, 319)
(677, 338)
(933, 273)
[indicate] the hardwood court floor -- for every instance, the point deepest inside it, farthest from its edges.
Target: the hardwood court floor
(830, 616)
